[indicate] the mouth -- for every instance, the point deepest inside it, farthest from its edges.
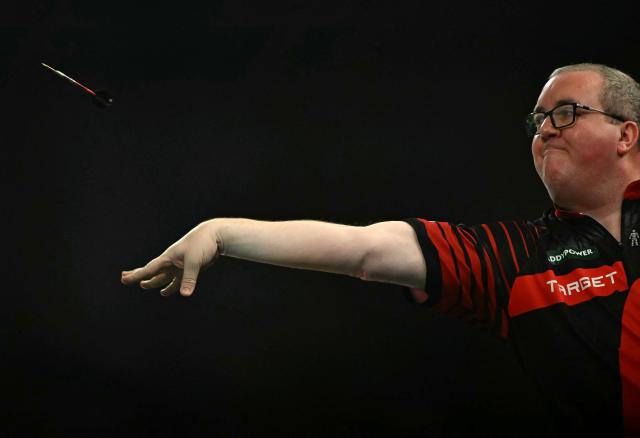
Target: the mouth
(551, 147)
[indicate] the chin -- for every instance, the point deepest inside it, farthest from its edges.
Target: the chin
(553, 171)
(556, 183)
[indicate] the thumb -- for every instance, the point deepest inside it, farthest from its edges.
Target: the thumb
(189, 277)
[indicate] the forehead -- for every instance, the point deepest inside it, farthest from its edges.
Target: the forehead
(573, 86)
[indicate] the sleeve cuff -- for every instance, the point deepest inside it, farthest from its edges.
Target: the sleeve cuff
(433, 282)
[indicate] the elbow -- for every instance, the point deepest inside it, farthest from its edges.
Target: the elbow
(362, 275)
(370, 269)
(392, 255)
(361, 271)
(408, 272)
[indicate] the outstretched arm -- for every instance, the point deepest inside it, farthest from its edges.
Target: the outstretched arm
(385, 252)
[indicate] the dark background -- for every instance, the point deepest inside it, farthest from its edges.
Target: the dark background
(356, 112)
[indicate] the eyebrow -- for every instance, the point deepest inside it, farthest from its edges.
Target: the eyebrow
(540, 109)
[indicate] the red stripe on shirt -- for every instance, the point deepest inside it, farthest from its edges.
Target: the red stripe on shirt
(504, 327)
(524, 241)
(495, 251)
(464, 272)
(456, 292)
(513, 251)
(491, 285)
(629, 359)
(447, 265)
(482, 310)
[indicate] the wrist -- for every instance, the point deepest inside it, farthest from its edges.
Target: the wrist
(214, 230)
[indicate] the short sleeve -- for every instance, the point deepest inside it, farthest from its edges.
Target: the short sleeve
(470, 268)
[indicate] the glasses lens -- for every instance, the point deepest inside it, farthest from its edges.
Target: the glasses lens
(534, 120)
(563, 115)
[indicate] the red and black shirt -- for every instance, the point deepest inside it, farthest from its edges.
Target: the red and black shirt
(564, 292)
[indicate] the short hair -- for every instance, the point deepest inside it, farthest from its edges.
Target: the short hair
(620, 93)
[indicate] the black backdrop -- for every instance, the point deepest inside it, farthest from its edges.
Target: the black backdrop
(353, 113)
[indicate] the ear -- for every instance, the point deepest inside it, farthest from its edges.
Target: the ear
(628, 137)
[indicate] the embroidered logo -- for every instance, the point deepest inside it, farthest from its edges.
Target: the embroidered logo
(633, 237)
(559, 256)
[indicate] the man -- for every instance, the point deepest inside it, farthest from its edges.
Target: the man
(564, 289)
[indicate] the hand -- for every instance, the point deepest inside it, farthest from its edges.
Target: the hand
(178, 266)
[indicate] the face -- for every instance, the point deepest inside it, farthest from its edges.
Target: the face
(572, 160)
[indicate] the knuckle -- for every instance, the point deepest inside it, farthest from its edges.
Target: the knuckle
(188, 281)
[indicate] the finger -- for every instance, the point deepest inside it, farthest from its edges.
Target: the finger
(148, 271)
(171, 287)
(159, 280)
(189, 277)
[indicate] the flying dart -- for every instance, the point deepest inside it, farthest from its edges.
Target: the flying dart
(100, 97)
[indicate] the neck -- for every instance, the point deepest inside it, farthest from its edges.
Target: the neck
(604, 201)
(605, 206)
(609, 217)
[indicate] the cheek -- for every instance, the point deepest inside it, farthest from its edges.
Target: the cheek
(593, 146)
(536, 152)
(590, 154)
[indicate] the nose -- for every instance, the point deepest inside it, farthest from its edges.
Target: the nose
(547, 130)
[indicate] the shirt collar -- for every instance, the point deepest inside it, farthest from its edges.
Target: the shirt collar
(632, 192)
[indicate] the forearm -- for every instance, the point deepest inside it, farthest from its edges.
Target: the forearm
(301, 244)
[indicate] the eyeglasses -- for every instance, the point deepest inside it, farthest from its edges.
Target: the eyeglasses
(562, 116)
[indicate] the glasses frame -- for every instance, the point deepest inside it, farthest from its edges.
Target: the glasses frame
(530, 124)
